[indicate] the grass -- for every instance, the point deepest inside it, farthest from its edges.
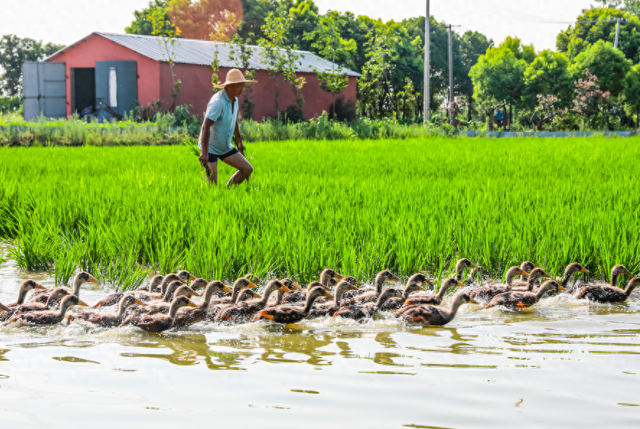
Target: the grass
(355, 205)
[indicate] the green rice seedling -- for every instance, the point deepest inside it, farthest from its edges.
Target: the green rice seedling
(355, 205)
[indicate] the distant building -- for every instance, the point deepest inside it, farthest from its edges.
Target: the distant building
(107, 69)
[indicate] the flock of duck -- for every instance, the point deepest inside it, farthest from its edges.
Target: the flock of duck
(166, 302)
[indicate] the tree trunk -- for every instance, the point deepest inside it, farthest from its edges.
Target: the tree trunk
(510, 116)
(470, 108)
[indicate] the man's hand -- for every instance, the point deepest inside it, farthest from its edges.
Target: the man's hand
(241, 147)
(204, 158)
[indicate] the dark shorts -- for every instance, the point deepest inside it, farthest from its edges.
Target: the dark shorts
(215, 158)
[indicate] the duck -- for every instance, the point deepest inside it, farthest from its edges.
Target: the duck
(372, 295)
(107, 320)
(368, 309)
(486, 293)
(42, 296)
(292, 314)
(238, 286)
(329, 308)
(616, 272)
(431, 315)
(245, 310)
(534, 275)
(434, 299)
(572, 268)
(527, 267)
(25, 287)
(416, 283)
(462, 265)
(244, 295)
(328, 278)
(175, 289)
(520, 300)
(29, 307)
(153, 285)
(188, 316)
(161, 322)
(45, 317)
(607, 293)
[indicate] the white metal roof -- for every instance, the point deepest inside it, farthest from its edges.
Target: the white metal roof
(189, 51)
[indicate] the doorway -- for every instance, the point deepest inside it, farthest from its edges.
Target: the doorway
(83, 89)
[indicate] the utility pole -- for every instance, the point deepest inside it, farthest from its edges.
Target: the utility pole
(427, 53)
(450, 75)
(615, 43)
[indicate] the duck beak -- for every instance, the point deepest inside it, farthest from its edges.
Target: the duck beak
(252, 286)
(257, 295)
(327, 294)
(461, 284)
(358, 283)
(524, 273)
(39, 286)
(295, 286)
(473, 301)
(561, 288)
(137, 301)
(82, 303)
(191, 304)
(474, 265)
(194, 293)
(93, 280)
(4, 308)
(285, 289)
(584, 270)
(227, 289)
(338, 276)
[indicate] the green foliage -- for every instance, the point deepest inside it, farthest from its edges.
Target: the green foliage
(632, 93)
(205, 19)
(548, 74)
(13, 52)
(520, 51)
(498, 77)
(241, 51)
(607, 63)
(142, 24)
(576, 39)
(167, 36)
(555, 215)
(10, 104)
(281, 57)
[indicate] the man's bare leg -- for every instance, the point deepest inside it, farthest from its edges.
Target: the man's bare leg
(213, 173)
(238, 161)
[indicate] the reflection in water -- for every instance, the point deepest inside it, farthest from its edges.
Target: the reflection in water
(565, 363)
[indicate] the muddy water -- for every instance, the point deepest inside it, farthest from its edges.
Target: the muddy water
(566, 364)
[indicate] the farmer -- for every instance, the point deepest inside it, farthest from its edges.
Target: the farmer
(220, 126)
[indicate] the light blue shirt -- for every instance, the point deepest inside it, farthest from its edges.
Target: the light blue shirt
(223, 114)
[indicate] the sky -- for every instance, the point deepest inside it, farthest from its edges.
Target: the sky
(533, 21)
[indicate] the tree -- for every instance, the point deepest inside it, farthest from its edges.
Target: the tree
(498, 78)
(607, 63)
(548, 74)
(241, 51)
(13, 52)
(215, 20)
(142, 25)
(254, 16)
(281, 58)
(167, 39)
(472, 45)
(631, 6)
(331, 46)
(580, 37)
(521, 52)
(304, 17)
(632, 93)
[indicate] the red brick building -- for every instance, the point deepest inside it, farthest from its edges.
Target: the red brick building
(138, 66)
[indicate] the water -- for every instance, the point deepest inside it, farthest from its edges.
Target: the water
(564, 364)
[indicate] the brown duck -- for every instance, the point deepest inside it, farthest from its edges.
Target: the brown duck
(369, 295)
(43, 296)
(368, 309)
(520, 300)
(107, 320)
(245, 310)
(486, 293)
(431, 315)
(45, 317)
(161, 322)
(607, 293)
(290, 314)
(434, 299)
(188, 315)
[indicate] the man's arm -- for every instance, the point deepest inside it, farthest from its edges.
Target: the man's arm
(204, 140)
(236, 133)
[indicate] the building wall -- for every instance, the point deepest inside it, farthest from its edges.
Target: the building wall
(196, 90)
(94, 48)
(154, 81)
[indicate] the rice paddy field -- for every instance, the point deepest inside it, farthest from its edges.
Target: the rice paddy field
(125, 213)
(357, 206)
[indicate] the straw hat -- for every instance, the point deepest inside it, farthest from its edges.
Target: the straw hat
(235, 76)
